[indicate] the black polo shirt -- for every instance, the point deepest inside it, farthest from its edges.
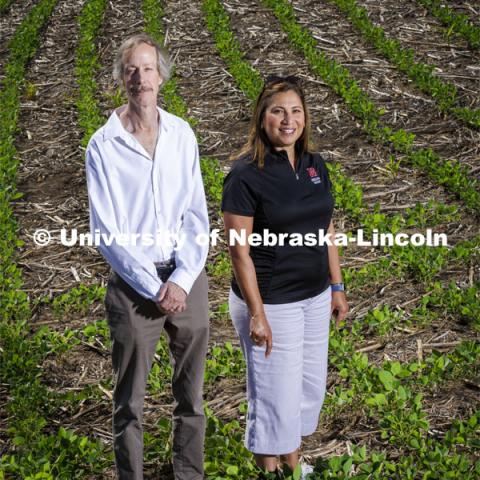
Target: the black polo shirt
(282, 200)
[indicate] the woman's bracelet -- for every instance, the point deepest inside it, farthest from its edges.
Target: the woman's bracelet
(337, 287)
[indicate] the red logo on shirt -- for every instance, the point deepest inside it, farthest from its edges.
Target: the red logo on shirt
(314, 178)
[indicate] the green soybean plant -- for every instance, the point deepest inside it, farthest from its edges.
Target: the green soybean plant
(458, 23)
(444, 93)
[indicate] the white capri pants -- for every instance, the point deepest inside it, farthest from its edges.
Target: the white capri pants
(285, 391)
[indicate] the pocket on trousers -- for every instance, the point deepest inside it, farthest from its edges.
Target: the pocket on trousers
(119, 324)
(115, 315)
(113, 308)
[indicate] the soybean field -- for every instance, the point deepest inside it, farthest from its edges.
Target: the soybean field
(394, 93)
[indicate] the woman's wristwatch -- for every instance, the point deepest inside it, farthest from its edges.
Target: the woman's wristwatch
(337, 287)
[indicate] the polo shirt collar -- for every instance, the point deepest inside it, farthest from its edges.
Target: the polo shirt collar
(279, 154)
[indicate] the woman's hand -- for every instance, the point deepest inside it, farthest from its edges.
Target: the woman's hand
(244, 270)
(339, 306)
(260, 332)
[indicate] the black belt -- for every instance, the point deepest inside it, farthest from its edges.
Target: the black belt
(166, 263)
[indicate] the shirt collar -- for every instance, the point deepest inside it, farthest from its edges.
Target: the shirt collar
(280, 154)
(277, 154)
(114, 128)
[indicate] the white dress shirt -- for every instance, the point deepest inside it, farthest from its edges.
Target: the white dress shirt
(129, 193)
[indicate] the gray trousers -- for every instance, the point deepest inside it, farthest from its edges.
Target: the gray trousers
(135, 327)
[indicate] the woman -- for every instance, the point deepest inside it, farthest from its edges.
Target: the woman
(283, 293)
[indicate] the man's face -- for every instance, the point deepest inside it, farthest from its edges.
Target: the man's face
(141, 77)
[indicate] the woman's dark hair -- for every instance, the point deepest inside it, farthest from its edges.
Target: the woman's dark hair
(258, 142)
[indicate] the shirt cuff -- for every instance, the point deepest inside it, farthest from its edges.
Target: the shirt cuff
(154, 298)
(182, 279)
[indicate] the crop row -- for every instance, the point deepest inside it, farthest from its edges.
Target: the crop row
(21, 354)
(422, 263)
(445, 94)
(16, 362)
(86, 65)
(437, 460)
(390, 395)
(449, 173)
(458, 23)
(174, 103)
(21, 49)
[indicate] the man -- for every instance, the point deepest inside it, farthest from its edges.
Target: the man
(145, 190)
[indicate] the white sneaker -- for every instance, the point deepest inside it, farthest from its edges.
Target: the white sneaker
(306, 470)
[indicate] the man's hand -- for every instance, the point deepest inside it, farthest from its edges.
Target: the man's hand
(171, 299)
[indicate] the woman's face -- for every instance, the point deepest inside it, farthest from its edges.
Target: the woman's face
(284, 119)
(141, 77)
